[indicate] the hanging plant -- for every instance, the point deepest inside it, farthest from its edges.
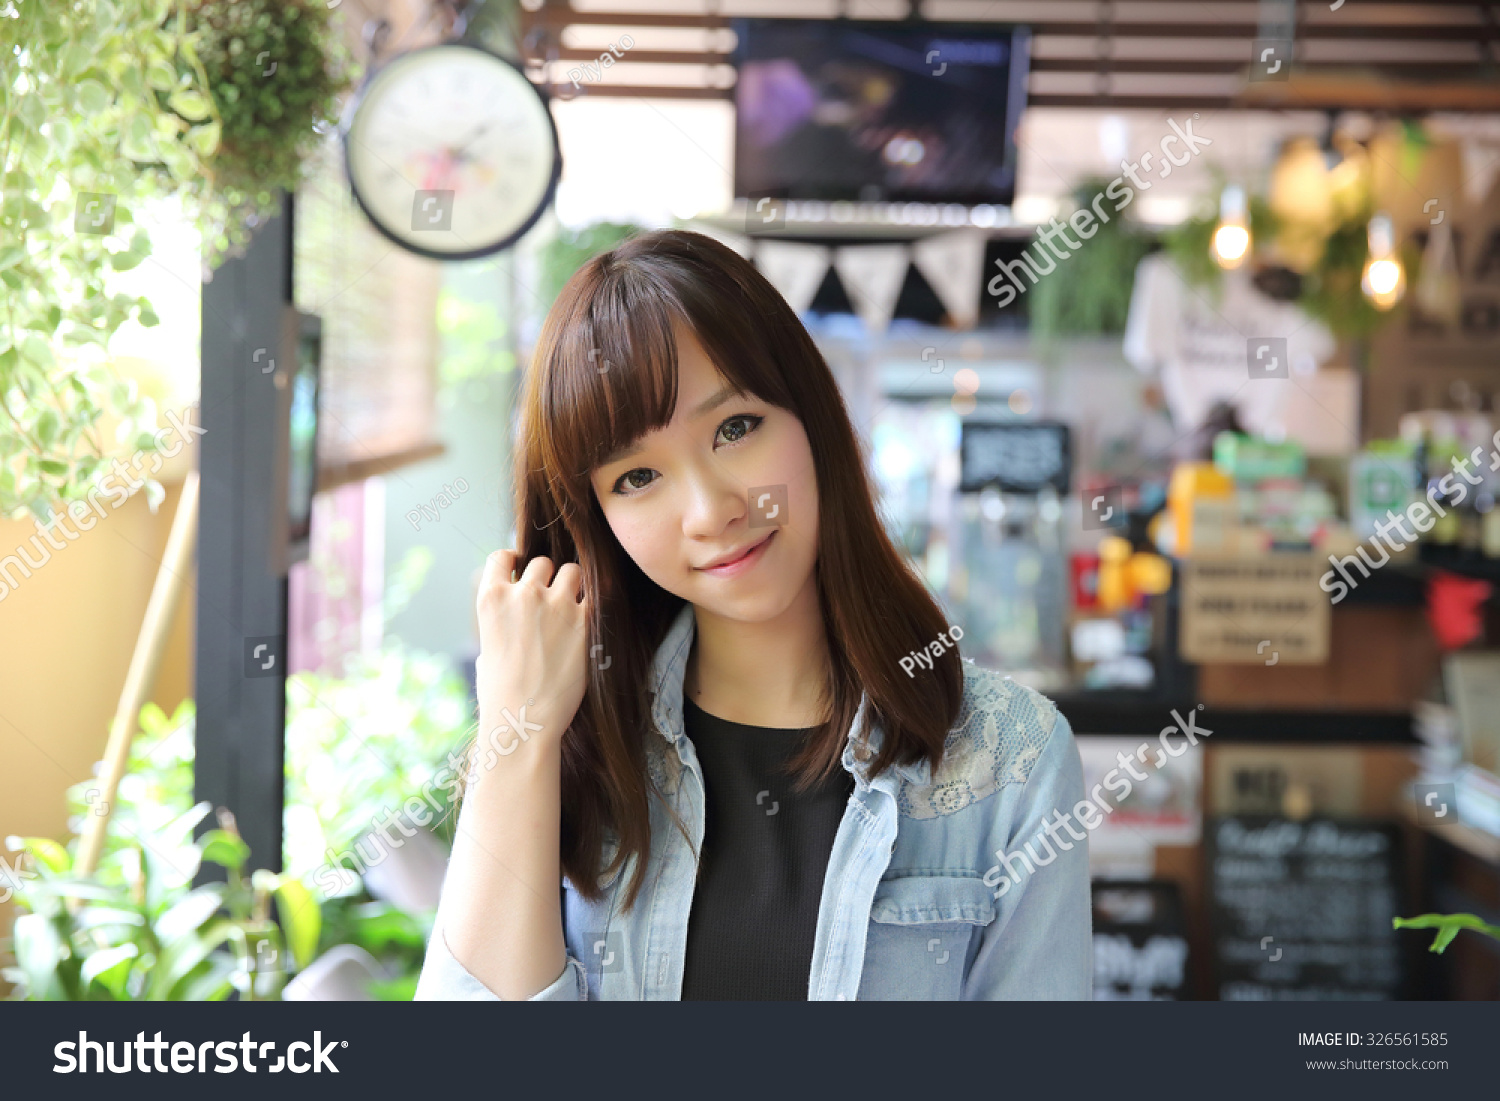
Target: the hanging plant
(107, 106)
(276, 71)
(1331, 248)
(1190, 244)
(1329, 291)
(1090, 291)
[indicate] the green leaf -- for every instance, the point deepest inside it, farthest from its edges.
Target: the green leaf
(187, 915)
(204, 139)
(190, 105)
(138, 143)
(105, 959)
(182, 826)
(38, 351)
(48, 853)
(93, 98)
(75, 59)
(70, 887)
(10, 255)
(301, 918)
(160, 75)
(60, 132)
(182, 956)
(46, 427)
(32, 112)
(224, 848)
(95, 916)
(211, 984)
(38, 950)
(1448, 926)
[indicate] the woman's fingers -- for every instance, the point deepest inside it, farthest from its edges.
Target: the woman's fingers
(498, 568)
(569, 580)
(538, 572)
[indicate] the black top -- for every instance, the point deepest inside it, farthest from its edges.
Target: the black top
(765, 851)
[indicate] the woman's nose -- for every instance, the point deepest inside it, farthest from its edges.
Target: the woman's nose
(714, 501)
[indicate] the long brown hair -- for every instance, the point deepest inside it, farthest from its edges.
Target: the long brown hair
(604, 372)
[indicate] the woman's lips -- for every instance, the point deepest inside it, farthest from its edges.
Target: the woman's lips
(740, 565)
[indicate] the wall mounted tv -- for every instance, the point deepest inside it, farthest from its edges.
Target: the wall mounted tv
(878, 111)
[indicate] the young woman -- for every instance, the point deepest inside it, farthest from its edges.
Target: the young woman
(727, 745)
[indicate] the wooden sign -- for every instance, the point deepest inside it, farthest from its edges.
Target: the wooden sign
(1267, 610)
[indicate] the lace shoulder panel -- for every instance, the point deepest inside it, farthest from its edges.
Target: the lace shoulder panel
(1001, 730)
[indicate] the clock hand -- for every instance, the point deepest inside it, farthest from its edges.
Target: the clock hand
(456, 153)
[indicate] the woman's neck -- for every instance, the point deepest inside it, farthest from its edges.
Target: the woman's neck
(771, 673)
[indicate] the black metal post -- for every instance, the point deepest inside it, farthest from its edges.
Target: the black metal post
(241, 622)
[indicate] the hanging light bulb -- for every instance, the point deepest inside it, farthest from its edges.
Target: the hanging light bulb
(1231, 243)
(1384, 280)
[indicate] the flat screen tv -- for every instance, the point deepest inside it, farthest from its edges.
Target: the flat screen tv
(878, 111)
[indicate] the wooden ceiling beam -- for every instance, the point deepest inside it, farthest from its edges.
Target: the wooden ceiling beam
(1185, 28)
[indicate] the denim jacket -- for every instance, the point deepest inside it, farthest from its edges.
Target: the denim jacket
(913, 906)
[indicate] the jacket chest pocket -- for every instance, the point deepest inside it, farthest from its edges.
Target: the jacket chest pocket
(923, 932)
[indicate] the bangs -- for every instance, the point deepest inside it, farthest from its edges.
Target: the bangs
(613, 371)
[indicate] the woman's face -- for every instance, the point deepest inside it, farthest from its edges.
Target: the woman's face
(679, 499)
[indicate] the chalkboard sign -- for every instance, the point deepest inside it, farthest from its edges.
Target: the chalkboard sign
(1140, 941)
(1302, 910)
(1018, 458)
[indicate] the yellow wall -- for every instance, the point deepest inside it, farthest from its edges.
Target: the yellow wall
(66, 636)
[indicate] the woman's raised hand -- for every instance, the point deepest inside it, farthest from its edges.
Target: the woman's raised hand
(530, 674)
(499, 914)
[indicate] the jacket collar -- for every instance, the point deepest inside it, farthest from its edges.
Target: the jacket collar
(669, 667)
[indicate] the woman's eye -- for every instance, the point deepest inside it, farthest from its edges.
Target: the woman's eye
(738, 427)
(639, 478)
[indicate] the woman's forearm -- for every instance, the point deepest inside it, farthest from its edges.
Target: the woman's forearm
(500, 912)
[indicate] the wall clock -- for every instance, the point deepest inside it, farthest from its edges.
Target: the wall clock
(451, 151)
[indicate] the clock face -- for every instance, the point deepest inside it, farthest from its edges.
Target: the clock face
(451, 152)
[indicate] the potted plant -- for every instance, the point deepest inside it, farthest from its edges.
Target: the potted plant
(137, 930)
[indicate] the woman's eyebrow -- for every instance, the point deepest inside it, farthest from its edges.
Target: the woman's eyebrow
(624, 451)
(728, 392)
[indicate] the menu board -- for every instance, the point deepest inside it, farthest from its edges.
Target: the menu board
(1140, 941)
(1018, 458)
(1302, 910)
